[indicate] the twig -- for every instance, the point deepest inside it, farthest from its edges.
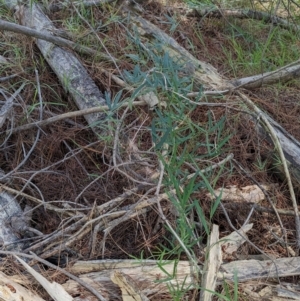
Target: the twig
(58, 234)
(281, 74)
(136, 209)
(106, 172)
(133, 179)
(109, 206)
(269, 210)
(5, 109)
(246, 13)
(29, 197)
(268, 198)
(4, 25)
(38, 132)
(209, 93)
(9, 77)
(34, 173)
(111, 58)
(210, 168)
(284, 163)
(118, 200)
(73, 114)
(85, 229)
(116, 138)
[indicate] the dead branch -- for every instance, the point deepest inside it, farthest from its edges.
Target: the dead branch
(83, 112)
(211, 265)
(208, 75)
(202, 72)
(281, 75)
(5, 25)
(97, 273)
(276, 142)
(145, 274)
(72, 75)
(38, 201)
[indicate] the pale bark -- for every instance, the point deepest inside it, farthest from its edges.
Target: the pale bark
(280, 75)
(70, 72)
(211, 266)
(9, 207)
(146, 273)
(4, 25)
(206, 75)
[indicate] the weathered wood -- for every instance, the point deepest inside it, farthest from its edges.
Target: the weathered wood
(12, 290)
(146, 273)
(70, 72)
(231, 243)
(211, 266)
(208, 76)
(9, 207)
(54, 289)
(204, 73)
(254, 269)
(281, 75)
(130, 291)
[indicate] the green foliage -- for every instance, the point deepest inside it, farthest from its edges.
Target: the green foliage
(174, 131)
(178, 138)
(200, 3)
(250, 52)
(231, 290)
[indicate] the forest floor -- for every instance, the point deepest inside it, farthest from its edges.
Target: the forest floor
(70, 166)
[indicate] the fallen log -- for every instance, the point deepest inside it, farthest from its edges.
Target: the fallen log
(208, 76)
(281, 75)
(150, 276)
(212, 80)
(70, 72)
(153, 277)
